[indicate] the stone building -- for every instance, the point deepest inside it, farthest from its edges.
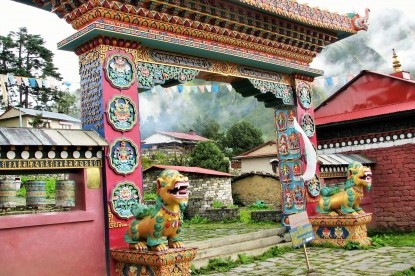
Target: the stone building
(206, 186)
(374, 115)
(250, 187)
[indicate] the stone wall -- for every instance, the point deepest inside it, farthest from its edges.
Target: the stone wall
(393, 186)
(203, 191)
(170, 152)
(249, 189)
(149, 180)
(221, 214)
(266, 215)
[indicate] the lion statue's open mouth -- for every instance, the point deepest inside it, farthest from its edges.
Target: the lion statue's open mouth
(180, 189)
(367, 176)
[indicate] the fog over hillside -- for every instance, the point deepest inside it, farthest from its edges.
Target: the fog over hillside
(372, 50)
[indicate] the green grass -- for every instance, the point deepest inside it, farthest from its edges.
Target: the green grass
(244, 221)
(396, 239)
(406, 272)
(219, 265)
(230, 225)
(379, 239)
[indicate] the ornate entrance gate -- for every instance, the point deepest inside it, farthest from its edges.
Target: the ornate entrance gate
(262, 48)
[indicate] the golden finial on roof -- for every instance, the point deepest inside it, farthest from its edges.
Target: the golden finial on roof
(396, 63)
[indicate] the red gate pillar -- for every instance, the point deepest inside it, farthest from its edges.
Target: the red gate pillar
(305, 117)
(109, 105)
(297, 196)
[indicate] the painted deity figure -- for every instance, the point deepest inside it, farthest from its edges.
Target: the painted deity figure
(298, 197)
(281, 121)
(288, 199)
(122, 110)
(124, 157)
(122, 153)
(283, 145)
(285, 173)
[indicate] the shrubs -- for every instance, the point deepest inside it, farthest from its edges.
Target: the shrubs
(258, 205)
(50, 186)
(150, 196)
(199, 220)
(217, 204)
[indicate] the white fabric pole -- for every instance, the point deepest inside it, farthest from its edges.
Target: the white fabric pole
(310, 154)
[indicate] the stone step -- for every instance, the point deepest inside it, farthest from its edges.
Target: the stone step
(216, 242)
(252, 244)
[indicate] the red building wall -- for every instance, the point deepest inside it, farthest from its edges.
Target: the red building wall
(394, 186)
(59, 243)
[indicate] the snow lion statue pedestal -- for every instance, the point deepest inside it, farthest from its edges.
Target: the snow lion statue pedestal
(148, 253)
(341, 218)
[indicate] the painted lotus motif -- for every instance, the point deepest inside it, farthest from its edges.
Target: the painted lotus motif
(124, 196)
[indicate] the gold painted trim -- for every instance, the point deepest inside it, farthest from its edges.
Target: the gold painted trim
(112, 223)
(93, 178)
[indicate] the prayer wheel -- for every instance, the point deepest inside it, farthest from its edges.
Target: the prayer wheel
(35, 193)
(7, 194)
(65, 193)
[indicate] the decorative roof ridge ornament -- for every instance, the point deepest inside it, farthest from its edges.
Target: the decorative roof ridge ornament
(360, 23)
(396, 64)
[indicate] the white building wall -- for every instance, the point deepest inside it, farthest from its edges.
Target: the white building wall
(256, 164)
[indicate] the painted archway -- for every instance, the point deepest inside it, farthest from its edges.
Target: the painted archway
(262, 48)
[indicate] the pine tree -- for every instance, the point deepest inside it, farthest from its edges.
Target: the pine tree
(23, 54)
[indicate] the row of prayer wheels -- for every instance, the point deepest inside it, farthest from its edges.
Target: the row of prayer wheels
(36, 193)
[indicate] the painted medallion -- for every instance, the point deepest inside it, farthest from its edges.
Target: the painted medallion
(307, 124)
(122, 113)
(123, 197)
(304, 95)
(124, 156)
(120, 71)
(313, 186)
